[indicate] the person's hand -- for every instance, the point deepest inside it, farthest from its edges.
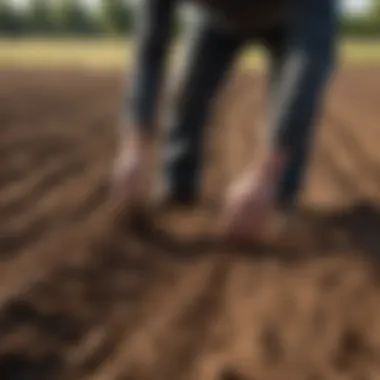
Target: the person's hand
(132, 173)
(250, 204)
(248, 209)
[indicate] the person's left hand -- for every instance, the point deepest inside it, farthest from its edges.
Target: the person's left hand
(249, 207)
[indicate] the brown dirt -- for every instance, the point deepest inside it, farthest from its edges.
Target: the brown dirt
(83, 297)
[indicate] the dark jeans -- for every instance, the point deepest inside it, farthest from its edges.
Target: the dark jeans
(301, 54)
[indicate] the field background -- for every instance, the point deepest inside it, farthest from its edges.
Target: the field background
(118, 54)
(84, 296)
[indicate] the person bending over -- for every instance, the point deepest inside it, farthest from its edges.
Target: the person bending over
(300, 36)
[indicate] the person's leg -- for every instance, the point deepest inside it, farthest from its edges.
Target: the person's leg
(209, 59)
(131, 179)
(302, 59)
(301, 62)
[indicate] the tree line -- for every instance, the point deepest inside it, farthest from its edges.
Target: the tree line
(365, 26)
(65, 17)
(115, 17)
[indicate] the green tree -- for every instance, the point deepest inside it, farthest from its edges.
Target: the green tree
(11, 20)
(71, 17)
(116, 16)
(376, 10)
(40, 17)
(364, 25)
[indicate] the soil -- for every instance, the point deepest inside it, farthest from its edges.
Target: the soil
(85, 296)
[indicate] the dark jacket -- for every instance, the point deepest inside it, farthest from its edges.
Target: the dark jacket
(249, 16)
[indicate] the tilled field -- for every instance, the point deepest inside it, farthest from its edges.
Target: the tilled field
(83, 297)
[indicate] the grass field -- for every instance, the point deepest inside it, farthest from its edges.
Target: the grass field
(116, 54)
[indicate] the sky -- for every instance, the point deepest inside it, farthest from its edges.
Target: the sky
(352, 6)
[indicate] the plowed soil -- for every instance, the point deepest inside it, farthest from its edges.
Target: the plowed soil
(82, 296)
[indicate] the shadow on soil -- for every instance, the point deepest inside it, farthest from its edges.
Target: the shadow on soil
(353, 229)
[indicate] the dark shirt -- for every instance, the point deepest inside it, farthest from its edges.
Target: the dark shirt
(248, 16)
